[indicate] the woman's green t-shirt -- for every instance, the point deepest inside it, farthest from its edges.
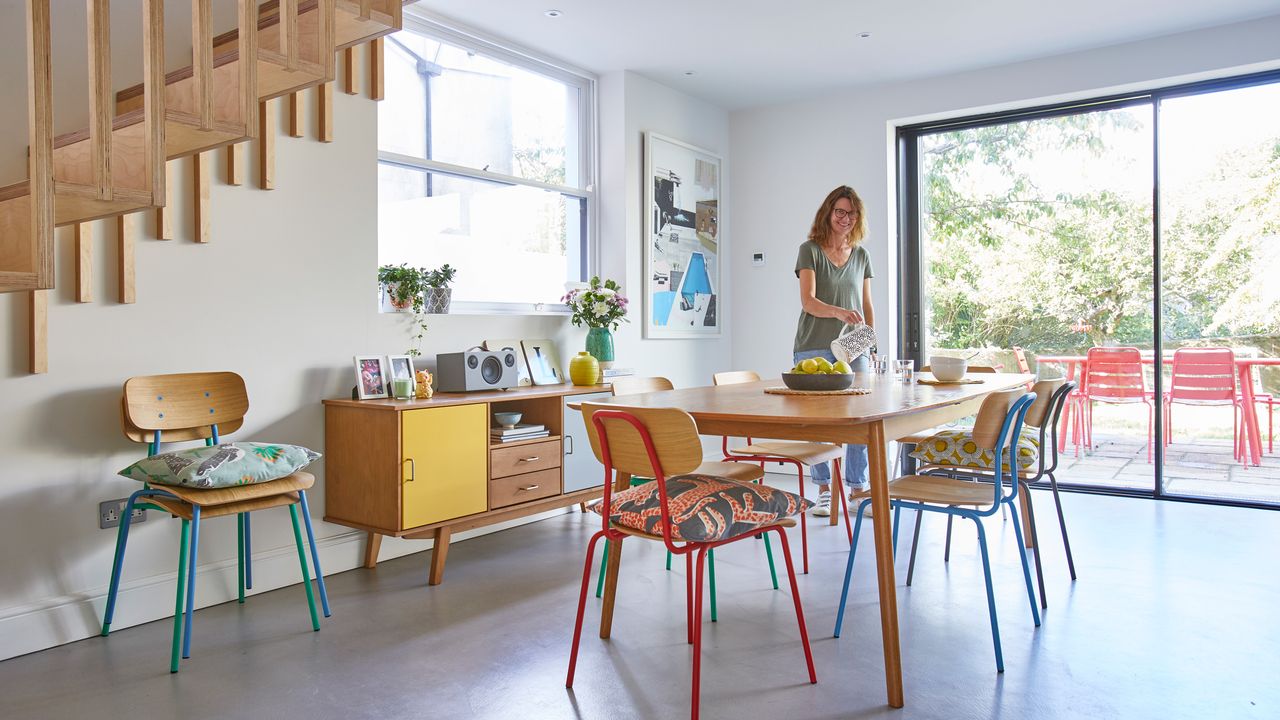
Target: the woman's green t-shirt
(839, 286)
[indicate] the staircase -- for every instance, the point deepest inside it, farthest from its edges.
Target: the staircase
(117, 166)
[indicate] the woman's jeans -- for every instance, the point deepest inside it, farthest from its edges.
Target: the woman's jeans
(855, 456)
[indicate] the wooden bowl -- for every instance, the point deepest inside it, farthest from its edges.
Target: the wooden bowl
(835, 381)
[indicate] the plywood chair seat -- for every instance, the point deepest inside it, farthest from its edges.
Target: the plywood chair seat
(186, 510)
(936, 490)
(801, 452)
(207, 498)
(742, 472)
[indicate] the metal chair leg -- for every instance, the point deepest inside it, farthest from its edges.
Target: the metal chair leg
(1035, 543)
(582, 606)
(897, 512)
(315, 556)
(248, 551)
(991, 597)
(240, 558)
(117, 565)
(177, 605)
(191, 580)
(1062, 523)
(848, 568)
(768, 552)
(1026, 567)
(915, 540)
(302, 562)
(604, 561)
(946, 552)
(795, 598)
(697, 635)
(804, 526)
(711, 579)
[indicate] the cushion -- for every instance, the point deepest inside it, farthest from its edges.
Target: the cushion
(225, 465)
(704, 508)
(956, 447)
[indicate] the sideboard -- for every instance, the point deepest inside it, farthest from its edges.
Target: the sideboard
(423, 469)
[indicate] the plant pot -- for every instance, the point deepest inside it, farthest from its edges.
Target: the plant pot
(600, 345)
(389, 297)
(437, 300)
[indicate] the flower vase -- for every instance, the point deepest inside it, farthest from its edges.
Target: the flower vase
(600, 346)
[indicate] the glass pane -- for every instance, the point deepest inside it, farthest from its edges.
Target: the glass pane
(1037, 235)
(1220, 255)
(448, 104)
(509, 243)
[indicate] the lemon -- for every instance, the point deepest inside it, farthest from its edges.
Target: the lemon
(841, 367)
(824, 365)
(811, 365)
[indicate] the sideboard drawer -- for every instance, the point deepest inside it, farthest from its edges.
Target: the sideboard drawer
(516, 489)
(524, 459)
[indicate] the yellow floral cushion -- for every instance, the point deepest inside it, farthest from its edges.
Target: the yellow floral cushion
(956, 447)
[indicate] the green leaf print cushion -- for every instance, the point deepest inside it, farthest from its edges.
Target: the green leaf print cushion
(219, 466)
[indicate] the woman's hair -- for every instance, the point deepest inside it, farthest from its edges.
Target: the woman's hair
(822, 220)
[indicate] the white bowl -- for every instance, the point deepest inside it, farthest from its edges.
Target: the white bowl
(948, 369)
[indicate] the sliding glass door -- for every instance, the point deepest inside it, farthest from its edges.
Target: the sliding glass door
(1091, 241)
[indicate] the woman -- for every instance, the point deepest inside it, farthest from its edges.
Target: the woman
(835, 289)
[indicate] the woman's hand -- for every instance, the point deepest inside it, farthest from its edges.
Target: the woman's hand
(849, 317)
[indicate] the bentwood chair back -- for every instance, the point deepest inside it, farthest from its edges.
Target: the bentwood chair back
(203, 407)
(638, 385)
(672, 434)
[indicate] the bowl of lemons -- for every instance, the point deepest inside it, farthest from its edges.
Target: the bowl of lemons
(819, 374)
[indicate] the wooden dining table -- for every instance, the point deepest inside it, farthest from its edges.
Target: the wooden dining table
(891, 410)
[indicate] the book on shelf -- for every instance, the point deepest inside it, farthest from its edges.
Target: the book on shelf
(618, 372)
(517, 431)
(517, 438)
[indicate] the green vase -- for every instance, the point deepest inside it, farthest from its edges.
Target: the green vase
(600, 345)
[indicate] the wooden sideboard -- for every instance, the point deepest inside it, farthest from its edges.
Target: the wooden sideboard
(425, 468)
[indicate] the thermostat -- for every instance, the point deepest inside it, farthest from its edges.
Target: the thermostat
(757, 259)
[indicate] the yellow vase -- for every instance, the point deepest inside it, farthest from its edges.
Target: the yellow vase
(584, 369)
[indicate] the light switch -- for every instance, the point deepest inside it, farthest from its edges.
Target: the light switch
(757, 259)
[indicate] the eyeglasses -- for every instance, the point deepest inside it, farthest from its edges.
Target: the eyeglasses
(841, 213)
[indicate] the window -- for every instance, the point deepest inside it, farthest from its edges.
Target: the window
(485, 163)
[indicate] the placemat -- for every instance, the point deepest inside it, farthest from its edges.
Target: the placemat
(789, 391)
(962, 381)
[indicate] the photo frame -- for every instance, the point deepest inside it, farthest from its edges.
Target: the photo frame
(544, 362)
(372, 376)
(401, 367)
(522, 366)
(683, 243)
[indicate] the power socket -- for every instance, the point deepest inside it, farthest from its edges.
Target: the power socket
(109, 513)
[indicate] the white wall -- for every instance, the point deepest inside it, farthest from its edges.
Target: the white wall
(284, 295)
(787, 157)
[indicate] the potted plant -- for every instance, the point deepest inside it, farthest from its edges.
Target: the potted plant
(438, 292)
(402, 286)
(600, 306)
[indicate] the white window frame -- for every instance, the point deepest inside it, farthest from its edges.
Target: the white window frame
(440, 28)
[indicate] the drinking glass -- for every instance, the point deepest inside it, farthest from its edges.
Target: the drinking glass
(904, 369)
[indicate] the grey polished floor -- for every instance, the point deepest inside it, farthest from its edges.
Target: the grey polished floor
(1174, 615)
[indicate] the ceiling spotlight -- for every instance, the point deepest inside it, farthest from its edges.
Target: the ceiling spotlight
(864, 35)
(553, 13)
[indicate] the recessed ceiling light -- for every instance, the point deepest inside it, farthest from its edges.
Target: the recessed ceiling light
(553, 13)
(864, 35)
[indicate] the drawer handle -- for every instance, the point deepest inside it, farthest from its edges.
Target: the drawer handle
(530, 458)
(530, 487)
(413, 471)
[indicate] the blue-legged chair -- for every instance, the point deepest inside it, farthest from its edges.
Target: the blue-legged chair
(203, 407)
(999, 421)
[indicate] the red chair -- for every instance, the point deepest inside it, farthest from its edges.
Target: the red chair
(1114, 375)
(1204, 376)
(663, 443)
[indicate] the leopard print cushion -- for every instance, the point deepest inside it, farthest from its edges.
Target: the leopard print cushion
(704, 508)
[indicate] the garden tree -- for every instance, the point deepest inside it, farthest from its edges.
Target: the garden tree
(1013, 263)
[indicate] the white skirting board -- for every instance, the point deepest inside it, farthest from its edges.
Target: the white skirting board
(67, 618)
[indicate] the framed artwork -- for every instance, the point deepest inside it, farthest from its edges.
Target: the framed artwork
(401, 368)
(521, 365)
(682, 240)
(371, 376)
(543, 362)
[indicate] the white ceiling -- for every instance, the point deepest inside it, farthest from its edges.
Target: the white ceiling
(748, 52)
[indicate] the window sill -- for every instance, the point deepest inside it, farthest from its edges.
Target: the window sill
(503, 309)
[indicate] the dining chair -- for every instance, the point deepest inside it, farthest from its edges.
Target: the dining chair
(1040, 428)
(203, 407)
(690, 514)
(737, 471)
(1114, 375)
(996, 430)
(785, 452)
(1205, 377)
(906, 445)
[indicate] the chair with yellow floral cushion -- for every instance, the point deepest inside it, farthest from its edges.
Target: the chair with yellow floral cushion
(953, 453)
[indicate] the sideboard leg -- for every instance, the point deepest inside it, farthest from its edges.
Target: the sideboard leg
(439, 552)
(371, 549)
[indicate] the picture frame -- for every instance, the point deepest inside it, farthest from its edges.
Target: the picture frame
(372, 377)
(522, 365)
(683, 242)
(544, 362)
(401, 367)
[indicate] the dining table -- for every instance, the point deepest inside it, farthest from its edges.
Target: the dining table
(891, 409)
(1076, 366)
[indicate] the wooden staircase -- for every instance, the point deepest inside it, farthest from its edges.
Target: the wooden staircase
(117, 166)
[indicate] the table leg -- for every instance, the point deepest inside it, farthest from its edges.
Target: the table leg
(439, 553)
(879, 470)
(620, 482)
(371, 549)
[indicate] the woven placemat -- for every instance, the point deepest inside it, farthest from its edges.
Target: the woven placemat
(789, 391)
(962, 381)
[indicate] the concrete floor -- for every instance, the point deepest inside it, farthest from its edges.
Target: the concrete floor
(1173, 616)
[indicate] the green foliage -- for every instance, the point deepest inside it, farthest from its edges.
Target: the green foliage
(600, 304)
(404, 284)
(440, 277)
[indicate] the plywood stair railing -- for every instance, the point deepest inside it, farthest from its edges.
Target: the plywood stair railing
(117, 166)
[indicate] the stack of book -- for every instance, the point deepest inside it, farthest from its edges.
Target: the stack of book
(617, 372)
(519, 432)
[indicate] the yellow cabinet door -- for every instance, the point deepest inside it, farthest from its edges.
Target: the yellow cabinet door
(444, 471)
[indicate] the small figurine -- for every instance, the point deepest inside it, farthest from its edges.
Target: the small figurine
(423, 389)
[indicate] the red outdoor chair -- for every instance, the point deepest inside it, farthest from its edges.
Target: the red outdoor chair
(1114, 375)
(1205, 377)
